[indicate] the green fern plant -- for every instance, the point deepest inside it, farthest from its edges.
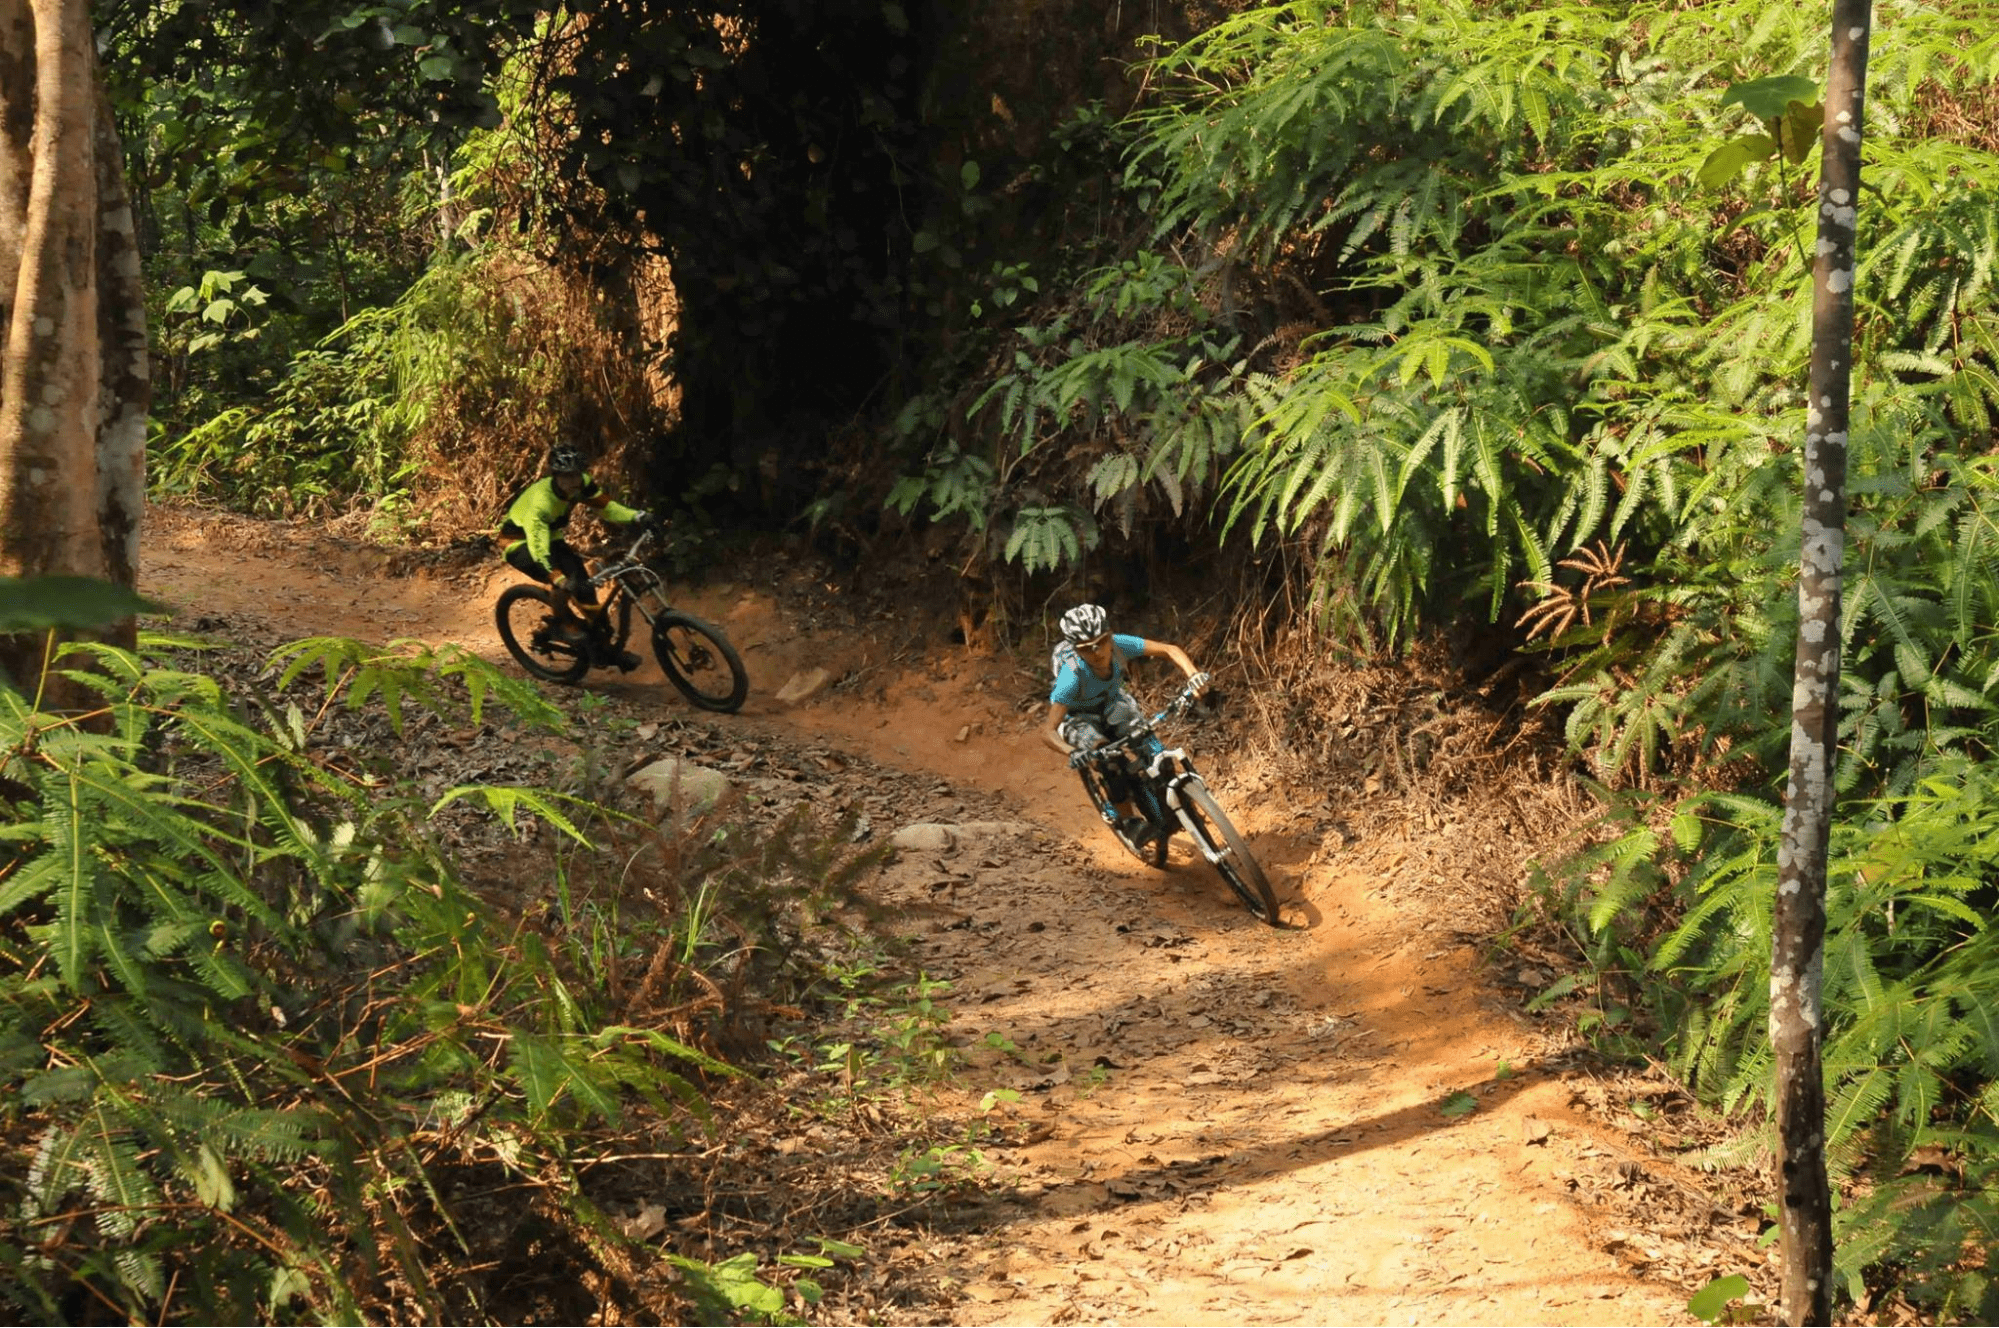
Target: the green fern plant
(223, 957)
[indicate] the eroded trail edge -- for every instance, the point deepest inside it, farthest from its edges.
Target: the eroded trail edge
(1216, 1122)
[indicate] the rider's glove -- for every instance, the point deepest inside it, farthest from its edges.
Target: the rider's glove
(1199, 683)
(645, 520)
(1078, 759)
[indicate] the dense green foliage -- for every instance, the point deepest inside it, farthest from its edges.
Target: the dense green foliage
(1502, 311)
(1486, 312)
(248, 1008)
(296, 168)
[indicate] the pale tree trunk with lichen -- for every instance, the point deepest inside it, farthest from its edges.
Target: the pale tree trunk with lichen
(1797, 958)
(74, 384)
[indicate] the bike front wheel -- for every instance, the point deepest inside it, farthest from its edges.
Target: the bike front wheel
(1223, 845)
(532, 634)
(699, 660)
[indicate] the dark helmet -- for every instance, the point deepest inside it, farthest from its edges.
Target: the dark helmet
(565, 458)
(1085, 622)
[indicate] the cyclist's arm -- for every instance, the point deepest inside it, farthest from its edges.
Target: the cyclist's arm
(1051, 732)
(612, 510)
(599, 500)
(1167, 650)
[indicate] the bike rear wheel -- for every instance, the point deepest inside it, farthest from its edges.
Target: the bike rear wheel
(1222, 845)
(1152, 854)
(528, 626)
(699, 660)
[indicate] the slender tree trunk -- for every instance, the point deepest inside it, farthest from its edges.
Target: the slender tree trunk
(48, 370)
(74, 381)
(1798, 955)
(124, 371)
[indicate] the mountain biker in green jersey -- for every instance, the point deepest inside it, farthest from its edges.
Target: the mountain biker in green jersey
(534, 523)
(1087, 704)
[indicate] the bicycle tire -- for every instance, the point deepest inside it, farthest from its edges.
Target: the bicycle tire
(692, 651)
(524, 615)
(1153, 854)
(1232, 858)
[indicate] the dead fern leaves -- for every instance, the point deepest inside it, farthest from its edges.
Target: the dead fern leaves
(1560, 606)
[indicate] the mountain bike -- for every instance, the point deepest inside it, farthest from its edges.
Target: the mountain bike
(1169, 793)
(697, 658)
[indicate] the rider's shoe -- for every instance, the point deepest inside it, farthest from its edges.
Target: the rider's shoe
(603, 655)
(1136, 830)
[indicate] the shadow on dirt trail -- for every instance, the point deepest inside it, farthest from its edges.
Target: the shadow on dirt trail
(1217, 1121)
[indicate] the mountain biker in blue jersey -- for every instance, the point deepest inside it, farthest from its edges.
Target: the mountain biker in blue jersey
(1087, 705)
(534, 523)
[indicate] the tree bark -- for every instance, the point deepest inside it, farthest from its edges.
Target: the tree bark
(75, 385)
(48, 375)
(1798, 953)
(125, 375)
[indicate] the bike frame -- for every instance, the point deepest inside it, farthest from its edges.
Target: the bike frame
(637, 582)
(1169, 771)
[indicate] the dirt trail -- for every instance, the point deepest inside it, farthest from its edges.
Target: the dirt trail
(1226, 1123)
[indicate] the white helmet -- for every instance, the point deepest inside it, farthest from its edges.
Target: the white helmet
(1085, 622)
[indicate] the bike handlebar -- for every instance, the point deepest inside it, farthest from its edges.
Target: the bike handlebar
(613, 566)
(1177, 706)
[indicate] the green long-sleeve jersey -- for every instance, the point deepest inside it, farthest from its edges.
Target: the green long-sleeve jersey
(538, 512)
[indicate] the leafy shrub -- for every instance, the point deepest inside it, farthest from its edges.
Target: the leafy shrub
(250, 1007)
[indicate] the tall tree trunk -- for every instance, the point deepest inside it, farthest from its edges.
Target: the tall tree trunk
(74, 382)
(1798, 955)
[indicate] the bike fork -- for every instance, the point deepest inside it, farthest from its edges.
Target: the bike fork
(1214, 853)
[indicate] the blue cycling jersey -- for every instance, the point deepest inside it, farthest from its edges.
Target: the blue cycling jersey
(1079, 689)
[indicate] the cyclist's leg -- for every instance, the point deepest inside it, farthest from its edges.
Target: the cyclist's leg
(1082, 732)
(523, 562)
(595, 617)
(568, 565)
(1120, 718)
(1087, 732)
(518, 559)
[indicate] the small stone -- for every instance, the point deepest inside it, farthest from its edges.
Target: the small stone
(926, 837)
(672, 783)
(803, 686)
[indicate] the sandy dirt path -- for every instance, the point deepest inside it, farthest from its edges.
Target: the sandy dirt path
(1222, 1122)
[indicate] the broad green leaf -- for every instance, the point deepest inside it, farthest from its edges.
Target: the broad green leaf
(77, 603)
(1768, 98)
(1733, 157)
(212, 1184)
(1798, 130)
(1711, 1302)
